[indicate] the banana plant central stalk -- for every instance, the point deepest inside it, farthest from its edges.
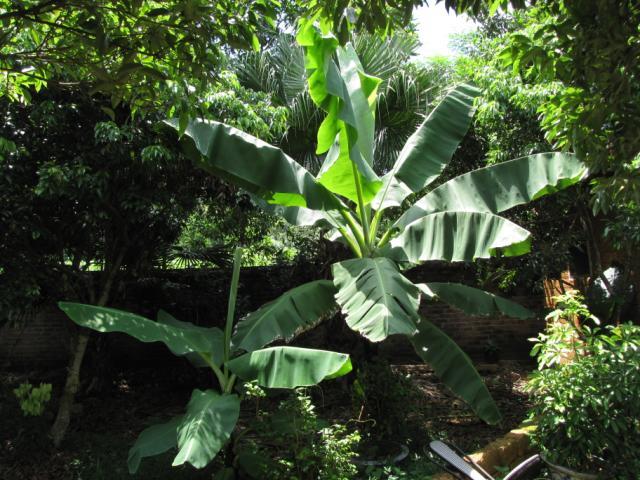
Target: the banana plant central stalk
(231, 309)
(363, 210)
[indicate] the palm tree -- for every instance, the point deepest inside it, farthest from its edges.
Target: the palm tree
(405, 94)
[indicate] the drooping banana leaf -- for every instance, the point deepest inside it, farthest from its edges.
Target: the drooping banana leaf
(458, 237)
(213, 334)
(258, 167)
(102, 319)
(500, 187)
(206, 426)
(473, 301)
(429, 149)
(152, 441)
(376, 298)
(294, 311)
(289, 367)
(455, 369)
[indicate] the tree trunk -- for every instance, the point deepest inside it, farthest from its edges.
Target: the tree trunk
(63, 418)
(59, 428)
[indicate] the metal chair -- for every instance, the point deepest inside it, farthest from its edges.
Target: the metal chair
(462, 466)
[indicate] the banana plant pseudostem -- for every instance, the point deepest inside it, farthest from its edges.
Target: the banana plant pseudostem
(457, 221)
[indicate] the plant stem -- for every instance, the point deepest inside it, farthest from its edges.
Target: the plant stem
(355, 228)
(385, 238)
(229, 386)
(219, 375)
(364, 217)
(352, 243)
(231, 307)
(375, 222)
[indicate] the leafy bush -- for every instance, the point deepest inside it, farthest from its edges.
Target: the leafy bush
(588, 410)
(33, 399)
(302, 446)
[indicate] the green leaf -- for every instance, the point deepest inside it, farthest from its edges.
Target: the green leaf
(254, 165)
(284, 317)
(455, 369)
(213, 334)
(473, 301)
(428, 151)
(376, 298)
(289, 367)
(206, 427)
(102, 319)
(500, 187)
(347, 94)
(458, 237)
(152, 441)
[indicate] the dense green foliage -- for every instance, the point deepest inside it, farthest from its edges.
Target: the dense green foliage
(85, 195)
(293, 442)
(595, 106)
(131, 50)
(587, 410)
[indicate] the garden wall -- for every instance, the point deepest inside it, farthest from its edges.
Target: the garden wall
(200, 296)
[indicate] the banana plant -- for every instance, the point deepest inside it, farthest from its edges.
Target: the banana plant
(211, 415)
(458, 221)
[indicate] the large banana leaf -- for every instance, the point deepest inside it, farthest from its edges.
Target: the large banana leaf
(500, 187)
(258, 167)
(102, 319)
(458, 237)
(429, 149)
(206, 427)
(152, 441)
(473, 301)
(376, 298)
(284, 317)
(290, 367)
(455, 369)
(213, 334)
(347, 94)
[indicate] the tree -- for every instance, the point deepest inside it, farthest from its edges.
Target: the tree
(589, 51)
(84, 194)
(129, 50)
(457, 221)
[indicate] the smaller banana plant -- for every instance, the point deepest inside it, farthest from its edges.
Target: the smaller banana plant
(211, 415)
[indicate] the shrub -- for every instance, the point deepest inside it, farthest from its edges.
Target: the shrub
(302, 446)
(33, 399)
(588, 410)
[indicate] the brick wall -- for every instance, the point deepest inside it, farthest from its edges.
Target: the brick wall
(201, 296)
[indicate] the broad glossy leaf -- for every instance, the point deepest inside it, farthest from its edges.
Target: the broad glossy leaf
(301, 216)
(337, 171)
(347, 94)
(430, 148)
(289, 367)
(458, 237)
(214, 336)
(376, 298)
(102, 319)
(292, 312)
(258, 167)
(152, 441)
(500, 187)
(455, 369)
(206, 427)
(473, 301)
